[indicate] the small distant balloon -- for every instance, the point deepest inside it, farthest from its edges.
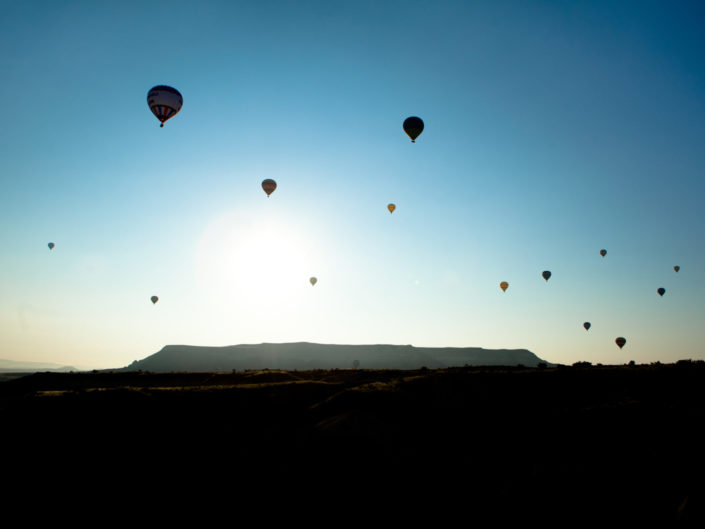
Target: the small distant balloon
(164, 102)
(603, 252)
(504, 286)
(51, 245)
(587, 325)
(546, 274)
(661, 291)
(620, 342)
(313, 281)
(356, 364)
(154, 299)
(676, 268)
(391, 208)
(413, 126)
(269, 186)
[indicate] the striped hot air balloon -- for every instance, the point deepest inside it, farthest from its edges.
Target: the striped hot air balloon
(164, 102)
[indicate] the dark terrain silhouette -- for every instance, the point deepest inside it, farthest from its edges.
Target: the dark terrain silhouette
(566, 444)
(304, 355)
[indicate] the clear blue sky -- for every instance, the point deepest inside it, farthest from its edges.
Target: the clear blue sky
(553, 129)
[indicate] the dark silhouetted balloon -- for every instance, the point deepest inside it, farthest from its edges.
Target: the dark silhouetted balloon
(603, 252)
(504, 286)
(154, 299)
(676, 268)
(661, 291)
(269, 186)
(546, 274)
(313, 281)
(51, 245)
(391, 207)
(413, 126)
(587, 325)
(620, 342)
(164, 102)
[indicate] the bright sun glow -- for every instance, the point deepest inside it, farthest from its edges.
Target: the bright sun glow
(253, 261)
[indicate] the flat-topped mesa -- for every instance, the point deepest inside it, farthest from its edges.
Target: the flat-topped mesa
(304, 355)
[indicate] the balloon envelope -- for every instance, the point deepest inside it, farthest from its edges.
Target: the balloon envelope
(676, 268)
(620, 342)
(504, 285)
(51, 245)
(546, 274)
(164, 102)
(603, 252)
(413, 126)
(661, 291)
(313, 280)
(391, 208)
(154, 299)
(269, 186)
(587, 325)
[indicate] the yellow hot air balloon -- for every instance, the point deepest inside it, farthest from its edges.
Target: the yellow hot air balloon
(504, 285)
(154, 299)
(391, 208)
(269, 186)
(313, 281)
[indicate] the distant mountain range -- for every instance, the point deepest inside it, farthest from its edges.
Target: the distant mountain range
(304, 355)
(13, 366)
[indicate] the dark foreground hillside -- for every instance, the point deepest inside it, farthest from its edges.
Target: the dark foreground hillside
(563, 444)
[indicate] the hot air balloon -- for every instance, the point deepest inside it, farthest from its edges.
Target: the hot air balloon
(391, 208)
(51, 245)
(661, 291)
(269, 186)
(313, 281)
(413, 126)
(676, 268)
(603, 252)
(504, 285)
(587, 325)
(546, 274)
(154, 299)
(164, 102)
(620, 342)
(356, 364)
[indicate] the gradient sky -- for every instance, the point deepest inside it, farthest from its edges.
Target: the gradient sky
(553, 129)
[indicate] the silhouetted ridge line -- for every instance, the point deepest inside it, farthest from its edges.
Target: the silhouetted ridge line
(306, 355)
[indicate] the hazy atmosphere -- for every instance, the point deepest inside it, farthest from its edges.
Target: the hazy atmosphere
(553, 130)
